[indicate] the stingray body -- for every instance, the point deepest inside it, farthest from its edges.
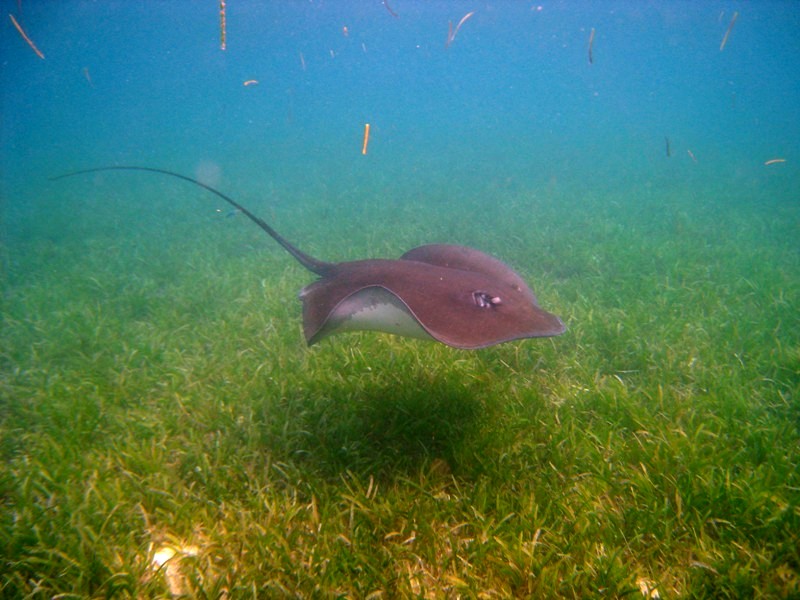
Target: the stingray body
(455, 295)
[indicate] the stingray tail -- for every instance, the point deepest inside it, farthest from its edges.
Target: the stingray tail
(314, 265)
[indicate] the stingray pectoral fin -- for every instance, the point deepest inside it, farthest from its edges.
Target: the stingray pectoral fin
(470, 311)
(371, 308)
(474, 299)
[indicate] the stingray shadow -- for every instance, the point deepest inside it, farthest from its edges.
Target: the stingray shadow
(382, 428)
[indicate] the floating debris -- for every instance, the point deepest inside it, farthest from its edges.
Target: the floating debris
(86, 75)
(366, 138)
(222, 24)
(389, 8)
(728, 32)
(25, 36)
(451, 33)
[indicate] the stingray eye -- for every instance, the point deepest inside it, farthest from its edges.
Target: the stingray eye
(484, 300)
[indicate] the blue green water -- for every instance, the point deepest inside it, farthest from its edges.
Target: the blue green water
(513, 102)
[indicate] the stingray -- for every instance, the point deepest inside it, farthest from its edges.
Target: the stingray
(451, 294)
